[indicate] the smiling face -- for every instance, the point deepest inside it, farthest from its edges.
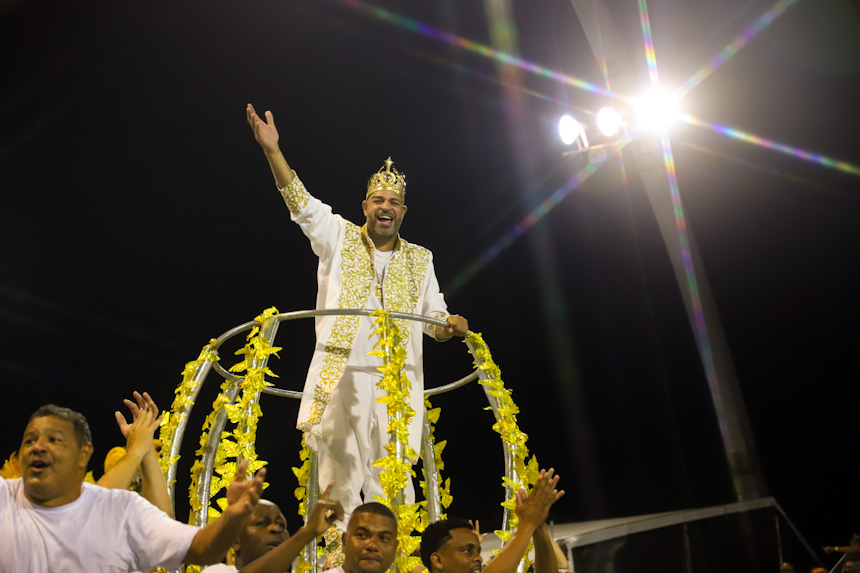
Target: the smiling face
(266, 529)
(369, 543)
(53, 462)
(460, 554)
(384, 211)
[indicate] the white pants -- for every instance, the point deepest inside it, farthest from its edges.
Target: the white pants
(354, 436)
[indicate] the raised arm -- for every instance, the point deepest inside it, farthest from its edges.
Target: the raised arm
(532, 510)
(138, 446)
(326, 511)
(212, 541)
(545, 558)
(153, 483)
(266, 135)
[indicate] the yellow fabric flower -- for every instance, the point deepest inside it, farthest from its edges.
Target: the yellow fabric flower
(12, 467)
(113, 456)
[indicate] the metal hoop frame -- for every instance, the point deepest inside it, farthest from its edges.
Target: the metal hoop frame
(268, 331)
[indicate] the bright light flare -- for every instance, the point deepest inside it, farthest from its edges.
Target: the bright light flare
(608, 121)
(570, 131)
(657, 111)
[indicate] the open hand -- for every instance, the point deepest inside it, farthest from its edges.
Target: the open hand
(477, 527)
(533, 508)
(144, 402)
(265, 132)
(242, 496)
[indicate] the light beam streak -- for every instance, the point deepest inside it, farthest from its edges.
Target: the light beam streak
(689, 269)
(460, 42)
(650, 54)
(752, 165)
(843, 166)
(530, 220)
(735, 46)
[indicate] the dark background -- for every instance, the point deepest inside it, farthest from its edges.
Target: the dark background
(139, 220)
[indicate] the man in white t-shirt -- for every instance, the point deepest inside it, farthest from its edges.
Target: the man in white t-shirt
(51, 521)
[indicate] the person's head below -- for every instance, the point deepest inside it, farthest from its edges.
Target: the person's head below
(264, 530)
(786, 568)
(370, 539)
(55, 449)
(848, 566)
(452, 546)
(384, 206)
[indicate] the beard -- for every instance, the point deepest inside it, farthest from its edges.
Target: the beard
(375, 232)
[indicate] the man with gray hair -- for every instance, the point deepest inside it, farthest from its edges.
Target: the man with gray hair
(51, 521)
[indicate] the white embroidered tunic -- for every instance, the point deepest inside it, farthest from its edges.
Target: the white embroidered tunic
(346, 278)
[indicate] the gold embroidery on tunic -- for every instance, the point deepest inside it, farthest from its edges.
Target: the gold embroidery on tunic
(356, 278)
(403, 281)
(295, 195)
(402, 288)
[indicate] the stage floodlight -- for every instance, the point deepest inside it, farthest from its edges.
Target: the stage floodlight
(608, 121)
(657, 110)
(571, 132)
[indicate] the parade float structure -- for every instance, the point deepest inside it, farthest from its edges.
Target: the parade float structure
(238, 404)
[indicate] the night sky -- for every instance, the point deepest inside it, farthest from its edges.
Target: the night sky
(140, 220)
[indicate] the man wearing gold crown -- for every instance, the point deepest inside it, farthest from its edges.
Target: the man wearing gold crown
(367, 267)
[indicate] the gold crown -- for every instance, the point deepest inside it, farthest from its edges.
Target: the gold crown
(388, 180)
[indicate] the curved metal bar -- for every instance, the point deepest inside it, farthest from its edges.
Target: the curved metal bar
(313, 493)
(198, 378)
(208, 460)
(296, 314)
(225, 374)
(431, 392)
(268, 331)
(451, 386)
(357, 312)
(510, 468)
(431, 474)
(233, 332)
(282, 393)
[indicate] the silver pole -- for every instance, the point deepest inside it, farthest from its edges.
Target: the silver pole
(431, 474)
(509, 449)
(198, 378)
(208, 460)
(313, 493)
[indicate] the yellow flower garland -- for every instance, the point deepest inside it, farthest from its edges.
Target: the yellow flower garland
(445, 497)
(507, 428)
(396, 470)
(411, 517)
(184, 391)
(242, 413)
(245, 413)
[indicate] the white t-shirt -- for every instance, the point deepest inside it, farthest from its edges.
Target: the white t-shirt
(220, 568)
(108, 530)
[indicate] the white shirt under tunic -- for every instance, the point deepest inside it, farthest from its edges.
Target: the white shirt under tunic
(104, 530)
